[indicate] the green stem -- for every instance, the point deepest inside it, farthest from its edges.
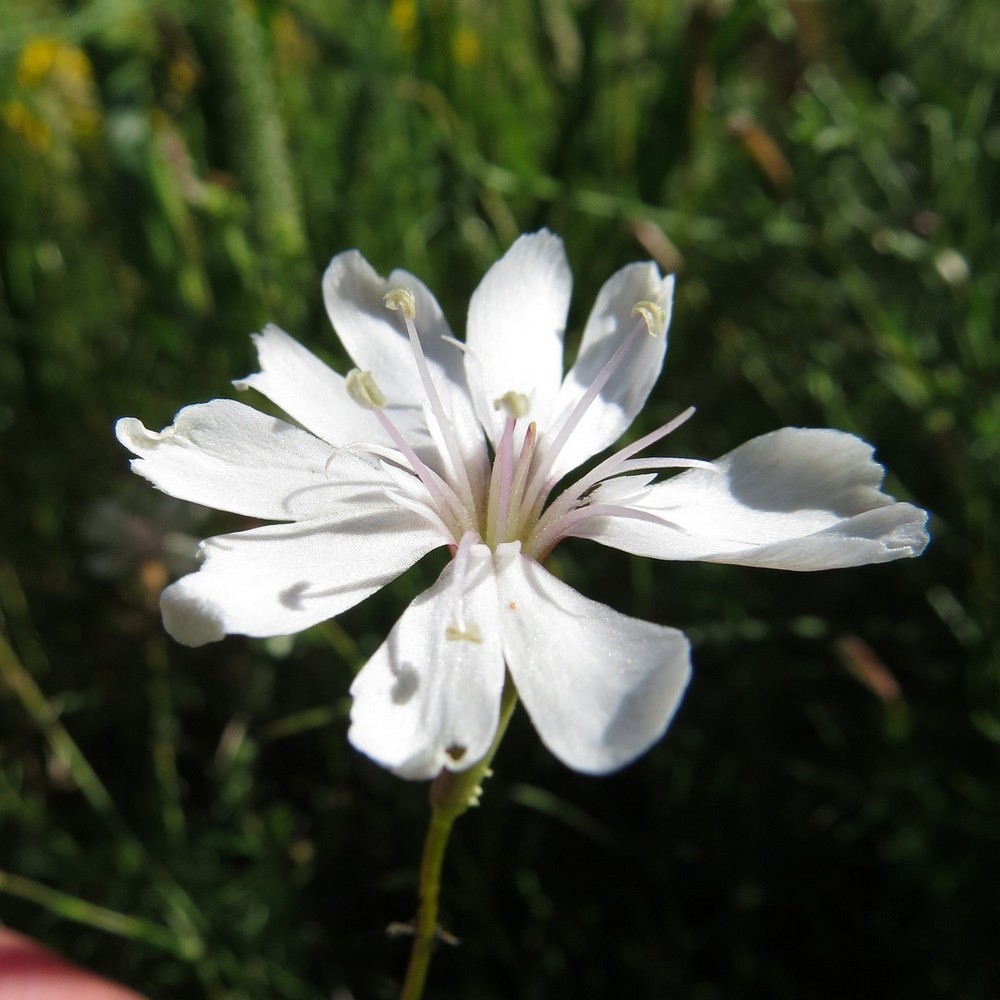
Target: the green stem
(452, 793)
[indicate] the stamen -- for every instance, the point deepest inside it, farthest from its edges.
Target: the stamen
(642, 464)
(460, 629)
(335, 454)
(613, 466)
(606, 468)
(470, 633)
(452, 342)
(401, 298)
(402, 493)
(653, 315)
(514, 404)
(540, 486)
(364, 390)
(569, 525)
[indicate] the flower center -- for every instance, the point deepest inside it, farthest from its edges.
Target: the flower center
(514, 505)
(510, 477)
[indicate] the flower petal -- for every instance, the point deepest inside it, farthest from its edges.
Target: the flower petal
(282, 578)
(599, 686)
(309, 391)
(375, 336)
(229, 456)
(377, 341)
(514, 339)
(424, 701)
(797, 498)
(621, 399)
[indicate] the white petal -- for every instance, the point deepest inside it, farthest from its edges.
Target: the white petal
(600, 687)
(283, 578)
(622, 489)
(517, 317)
(424, 701)
(611, 413)
(797, 498)
(376, 339)
(309, 391)
(374, 335)
(226, 455)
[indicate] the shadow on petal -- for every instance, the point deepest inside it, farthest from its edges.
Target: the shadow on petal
(406, 684)
(795, 469)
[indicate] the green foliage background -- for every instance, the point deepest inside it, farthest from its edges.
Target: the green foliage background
(822, 818)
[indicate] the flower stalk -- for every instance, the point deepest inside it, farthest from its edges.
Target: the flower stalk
(452, 793)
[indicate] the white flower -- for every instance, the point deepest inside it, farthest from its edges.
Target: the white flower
(392, 461)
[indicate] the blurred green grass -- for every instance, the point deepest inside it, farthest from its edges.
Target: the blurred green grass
(822, 818)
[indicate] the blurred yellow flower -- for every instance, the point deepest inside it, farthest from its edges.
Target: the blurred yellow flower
(37, 58)
(465, 48)
(44, 57)
(403, 20)
(293, 46)
(182, 74)
(61, 97)
(25, 123)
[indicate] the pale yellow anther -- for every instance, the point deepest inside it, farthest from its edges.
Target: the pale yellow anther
(401, 298)
(514, 404)
(653, 316)
(363, 389)
(463, 633)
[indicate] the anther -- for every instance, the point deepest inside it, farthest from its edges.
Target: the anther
(363, 389)
(464, 633)
(513, 404)
(652, 315)
(403, 299)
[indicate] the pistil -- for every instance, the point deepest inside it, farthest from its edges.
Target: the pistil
(520, 478)
(505, 487)
(500, 483)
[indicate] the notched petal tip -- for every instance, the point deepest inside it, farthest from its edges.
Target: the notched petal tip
(134, 435)
(271, 338)
(911, 536)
